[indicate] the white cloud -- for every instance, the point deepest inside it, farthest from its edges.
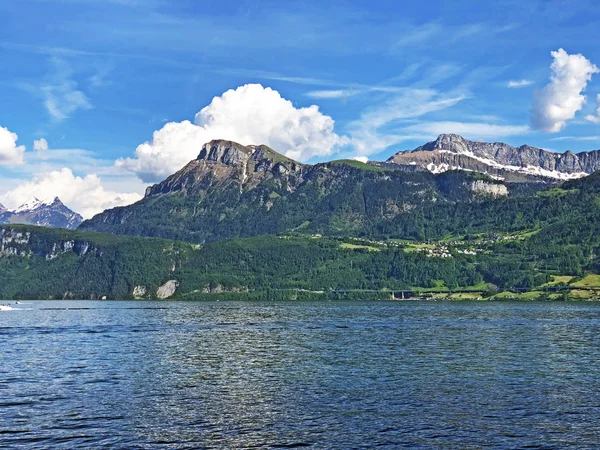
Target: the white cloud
(250, 114)
(335, 93)
(62, 99)
(519, 83)
(595, 118)
(10, 152)
(558, 102)
(362, 159)
(59, 91)
(469, 130)
(577, 138)
(85, 195)
(40, 145)
(377, 127)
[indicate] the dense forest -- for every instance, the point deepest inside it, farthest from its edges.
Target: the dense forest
(95, 265)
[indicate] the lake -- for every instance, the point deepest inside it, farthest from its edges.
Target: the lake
(292, 374)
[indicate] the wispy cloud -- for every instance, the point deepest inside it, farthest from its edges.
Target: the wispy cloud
(59, 91)
(595, 118)
(519, 83)
(472, 130)
(336, 93)
(378, 127)
(576, 138)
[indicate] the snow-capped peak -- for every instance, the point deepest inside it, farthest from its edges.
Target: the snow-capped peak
(50, 212)
(33, 204)
(29, 205)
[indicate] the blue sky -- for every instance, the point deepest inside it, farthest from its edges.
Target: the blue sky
(96, 79)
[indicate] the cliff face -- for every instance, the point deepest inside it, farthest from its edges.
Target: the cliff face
(39, 262)
(452, 152)
(226, 163)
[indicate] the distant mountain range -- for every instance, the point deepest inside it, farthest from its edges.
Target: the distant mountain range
(453, 152)
(53, 214)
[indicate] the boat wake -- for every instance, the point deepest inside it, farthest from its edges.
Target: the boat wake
(11, 308)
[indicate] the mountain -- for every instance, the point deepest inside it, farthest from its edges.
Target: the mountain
(53, 214)
(453, 152)
(232, 190)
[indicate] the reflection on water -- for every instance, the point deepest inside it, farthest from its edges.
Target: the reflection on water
(329, 375)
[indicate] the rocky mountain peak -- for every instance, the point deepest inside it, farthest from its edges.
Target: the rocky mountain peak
(2, 208)
(227, 152)
(226, 162)
(52, 214)
(453, 152)
(446, 141)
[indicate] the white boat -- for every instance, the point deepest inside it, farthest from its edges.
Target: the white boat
(5, 308)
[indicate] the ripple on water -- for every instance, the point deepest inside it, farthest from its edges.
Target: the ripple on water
(291, 375)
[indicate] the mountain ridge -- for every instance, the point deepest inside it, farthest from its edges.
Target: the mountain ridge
(453, 152)
(50, 213)
(231, 190)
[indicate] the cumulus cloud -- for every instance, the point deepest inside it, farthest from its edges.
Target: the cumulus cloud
(250, 114)
(40, 145)
(10, 152)
(519, 83)
(362, 159)
(595, 118)
(84, 195)
(558, 101)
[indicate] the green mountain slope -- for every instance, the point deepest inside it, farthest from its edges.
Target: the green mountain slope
(232, 191)
(42, 263)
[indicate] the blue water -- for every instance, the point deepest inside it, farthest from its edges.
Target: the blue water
(281, 375)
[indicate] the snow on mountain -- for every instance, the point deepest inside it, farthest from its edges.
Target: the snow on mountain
(45, 213)
(453, 152)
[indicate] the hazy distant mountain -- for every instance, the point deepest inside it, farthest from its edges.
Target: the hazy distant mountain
(53, 214)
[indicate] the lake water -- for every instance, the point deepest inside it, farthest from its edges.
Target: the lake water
(281, 375)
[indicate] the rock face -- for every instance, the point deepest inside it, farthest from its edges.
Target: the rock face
(224, 162)
(19, 243)
(453, 152)
(53, 214)
(139, 292)
(493, 189)
(167, 290)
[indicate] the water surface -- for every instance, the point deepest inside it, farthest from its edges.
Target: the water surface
(291, 374)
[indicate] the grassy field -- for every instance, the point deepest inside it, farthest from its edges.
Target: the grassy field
(559, 279)
(412, 247)
(517, 296)
(588, 281)
(347, 246)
